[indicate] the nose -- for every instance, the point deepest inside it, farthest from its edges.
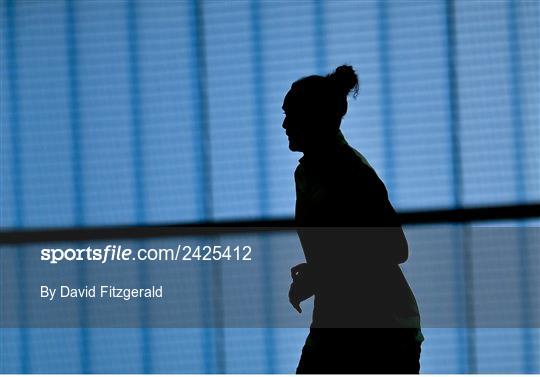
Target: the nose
(284, 124)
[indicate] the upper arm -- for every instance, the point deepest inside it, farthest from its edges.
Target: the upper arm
(367, 206)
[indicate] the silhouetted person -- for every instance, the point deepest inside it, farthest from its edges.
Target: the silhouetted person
(365, 317)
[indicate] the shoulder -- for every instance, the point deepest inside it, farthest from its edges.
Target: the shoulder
(359, 171)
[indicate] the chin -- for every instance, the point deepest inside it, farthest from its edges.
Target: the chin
(294, 147)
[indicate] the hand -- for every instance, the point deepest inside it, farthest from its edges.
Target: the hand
(299, 271)
(302, 286)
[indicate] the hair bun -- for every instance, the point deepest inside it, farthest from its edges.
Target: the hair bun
(345, 79)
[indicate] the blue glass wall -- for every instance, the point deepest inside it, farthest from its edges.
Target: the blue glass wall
(150, 112)
(138, 112)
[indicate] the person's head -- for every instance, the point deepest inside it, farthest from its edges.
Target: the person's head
(314, 107)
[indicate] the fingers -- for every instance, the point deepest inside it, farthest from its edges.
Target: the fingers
(295, 304)
(293, 299)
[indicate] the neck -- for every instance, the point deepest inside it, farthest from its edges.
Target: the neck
(325, 147)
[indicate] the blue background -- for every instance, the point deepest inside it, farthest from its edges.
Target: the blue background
(154, 112)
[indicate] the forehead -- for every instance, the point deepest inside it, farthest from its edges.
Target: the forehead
(292, 98)
(287, 100)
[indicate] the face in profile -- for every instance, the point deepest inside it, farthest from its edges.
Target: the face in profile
(296, 121)
(306, 123)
